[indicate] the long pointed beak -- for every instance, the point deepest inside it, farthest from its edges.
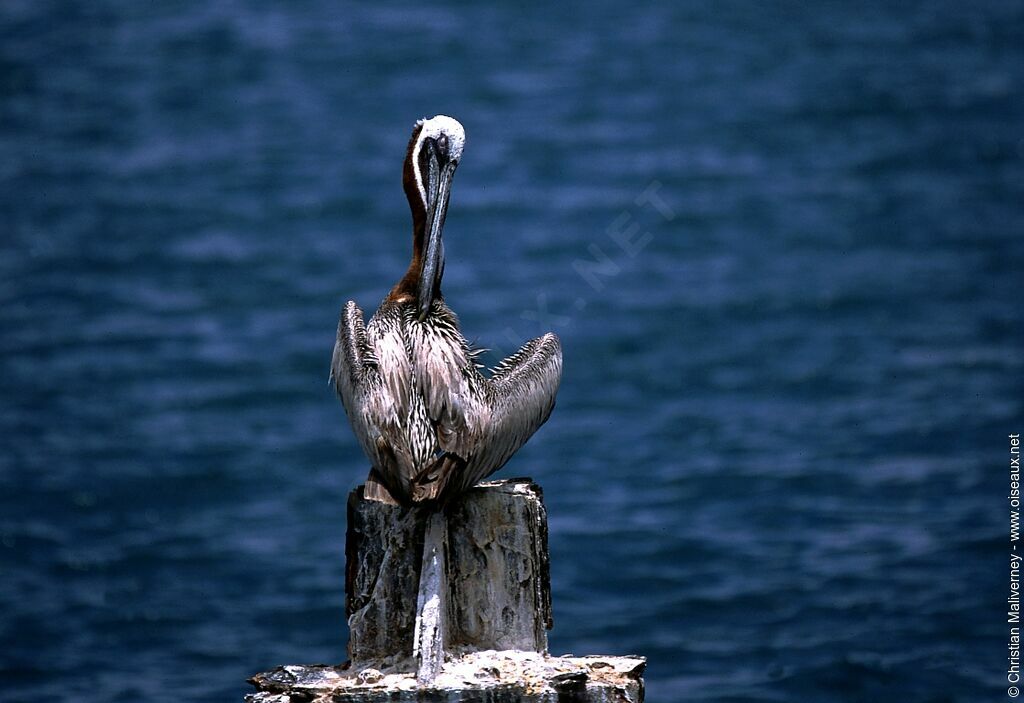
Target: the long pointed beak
(433, 260)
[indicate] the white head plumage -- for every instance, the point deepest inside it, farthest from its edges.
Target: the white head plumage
(436, 127)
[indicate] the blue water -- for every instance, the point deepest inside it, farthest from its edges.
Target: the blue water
(778, 464)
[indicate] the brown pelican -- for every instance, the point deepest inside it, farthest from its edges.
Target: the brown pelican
(430, 422)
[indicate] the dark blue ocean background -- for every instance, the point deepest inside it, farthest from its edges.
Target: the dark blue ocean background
(778, 465)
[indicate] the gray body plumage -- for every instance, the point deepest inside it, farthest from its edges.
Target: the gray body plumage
(430, 422)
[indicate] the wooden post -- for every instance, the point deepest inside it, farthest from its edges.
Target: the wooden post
(454, 606)
(498, 591)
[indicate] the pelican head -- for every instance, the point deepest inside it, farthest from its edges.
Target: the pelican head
(434, 153)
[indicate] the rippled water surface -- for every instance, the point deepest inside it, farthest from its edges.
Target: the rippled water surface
(778, 465)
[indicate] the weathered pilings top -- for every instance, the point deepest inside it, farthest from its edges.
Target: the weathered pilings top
(487, 581)
(496, 568)
(496, 677)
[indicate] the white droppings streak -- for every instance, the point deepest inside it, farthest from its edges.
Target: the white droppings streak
(428, 642)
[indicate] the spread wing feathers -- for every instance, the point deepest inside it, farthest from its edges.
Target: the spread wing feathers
(373, 375)
(519, 398)
(429, 422)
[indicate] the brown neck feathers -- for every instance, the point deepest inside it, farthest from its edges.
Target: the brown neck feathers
(408, 286)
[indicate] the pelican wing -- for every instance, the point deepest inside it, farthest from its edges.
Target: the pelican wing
(376, 402)
(350, 369)
(523, 389)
